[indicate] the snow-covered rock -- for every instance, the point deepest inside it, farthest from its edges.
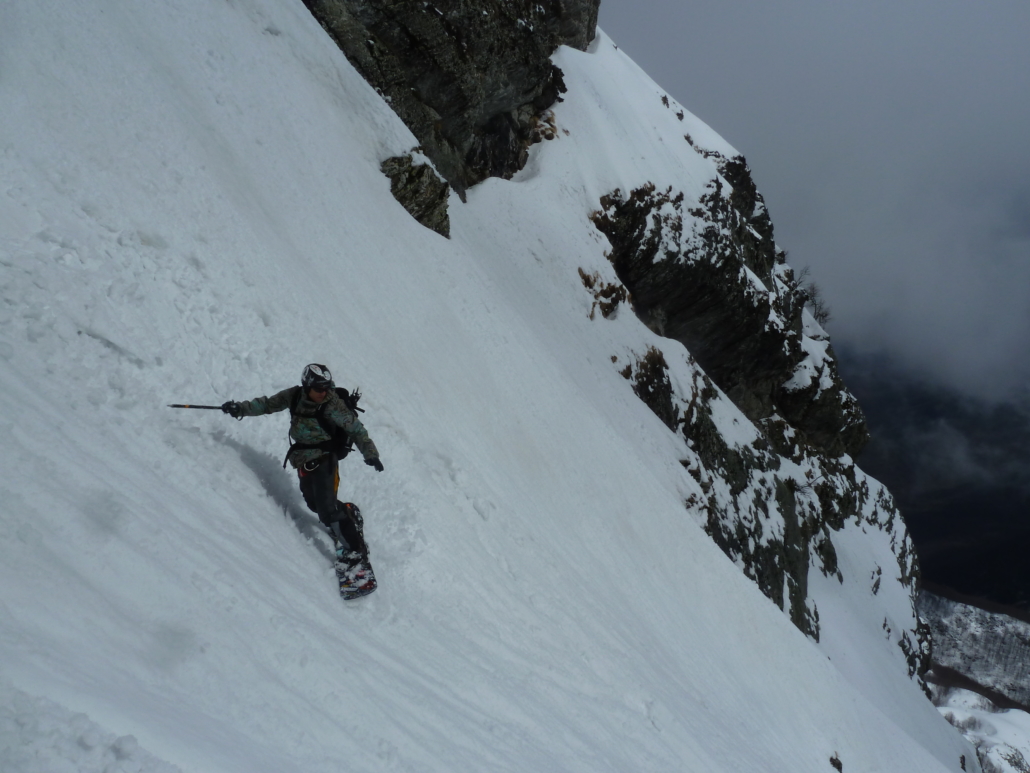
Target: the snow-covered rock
(1001, 736)
(989, 648)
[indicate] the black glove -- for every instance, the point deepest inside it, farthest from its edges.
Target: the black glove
(233, 408)
(375, 463)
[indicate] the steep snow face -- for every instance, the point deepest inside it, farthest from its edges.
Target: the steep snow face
(191, 210)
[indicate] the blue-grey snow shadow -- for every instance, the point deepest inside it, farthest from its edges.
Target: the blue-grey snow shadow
(282, 489)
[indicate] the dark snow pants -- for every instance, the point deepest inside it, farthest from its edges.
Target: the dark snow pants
(319, 487)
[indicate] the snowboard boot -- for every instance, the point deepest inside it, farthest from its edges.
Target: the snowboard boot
(353, 569)
(347, 527)
(354, 512)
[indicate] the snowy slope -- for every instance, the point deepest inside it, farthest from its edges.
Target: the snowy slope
(191, 210)
(1001, 736)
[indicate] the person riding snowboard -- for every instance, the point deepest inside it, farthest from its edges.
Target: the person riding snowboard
(322, 427)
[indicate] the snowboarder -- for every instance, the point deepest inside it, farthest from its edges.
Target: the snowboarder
(322, 428)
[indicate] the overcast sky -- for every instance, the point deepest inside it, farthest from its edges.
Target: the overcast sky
(891, 140)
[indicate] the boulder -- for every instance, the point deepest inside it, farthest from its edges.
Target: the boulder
(420, 191)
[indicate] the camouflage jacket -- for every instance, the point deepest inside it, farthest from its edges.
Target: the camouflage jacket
(304, 427)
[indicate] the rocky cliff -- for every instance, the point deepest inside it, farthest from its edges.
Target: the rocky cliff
(707, 273)
(470, 78)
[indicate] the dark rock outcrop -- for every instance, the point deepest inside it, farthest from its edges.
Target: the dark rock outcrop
(685, 271)
(420, 191)
(607, 296)
(708, 274)
(777, 521)
(650, 378)
(469, 77)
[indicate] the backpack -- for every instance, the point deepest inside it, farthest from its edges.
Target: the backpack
(339, 442)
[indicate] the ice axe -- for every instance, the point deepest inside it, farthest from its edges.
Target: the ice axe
(221, 408)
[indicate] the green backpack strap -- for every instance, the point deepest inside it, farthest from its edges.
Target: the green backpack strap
(339, 442)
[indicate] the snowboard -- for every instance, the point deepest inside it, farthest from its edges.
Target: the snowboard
(356, 580)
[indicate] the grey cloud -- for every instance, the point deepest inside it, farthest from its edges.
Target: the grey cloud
(931, 441)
